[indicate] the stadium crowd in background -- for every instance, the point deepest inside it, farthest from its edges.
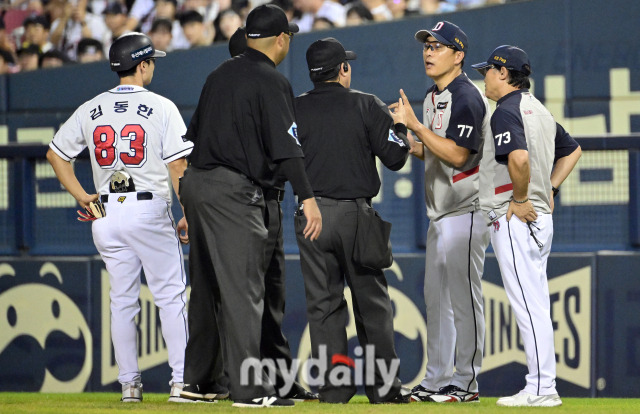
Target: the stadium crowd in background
(61, 27)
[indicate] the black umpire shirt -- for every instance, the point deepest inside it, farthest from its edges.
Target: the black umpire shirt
(342, 131)
(245, 120)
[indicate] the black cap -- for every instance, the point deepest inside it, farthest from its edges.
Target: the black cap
(268, 20)
(190, 16)
(326, 54)
(115, 8)
(446, 33)
(511, 57)
(238, 42)
(37, 19)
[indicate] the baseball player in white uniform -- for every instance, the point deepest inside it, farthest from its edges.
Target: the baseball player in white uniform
(135, 143)
(456, 125)
(521, 171)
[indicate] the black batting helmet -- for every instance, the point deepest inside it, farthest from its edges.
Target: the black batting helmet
(130, 49)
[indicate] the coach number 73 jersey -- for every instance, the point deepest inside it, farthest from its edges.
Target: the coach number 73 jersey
(126, 128)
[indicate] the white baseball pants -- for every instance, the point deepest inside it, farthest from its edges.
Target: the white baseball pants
(522, 251)
(135, 235)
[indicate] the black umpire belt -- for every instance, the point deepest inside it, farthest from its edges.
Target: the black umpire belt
(273, 194)
(142, 195)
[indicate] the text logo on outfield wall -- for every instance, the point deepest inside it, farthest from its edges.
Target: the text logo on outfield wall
(570, 313)
(571, 317)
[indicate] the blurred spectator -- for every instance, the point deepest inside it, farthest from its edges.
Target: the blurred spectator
(90, 50)
(358, 14)
(52, 59)
(378, 9)
(160, 35)
(209, 9)
(72, 22)
(36, 32)
(141, 15)
(167, 9)
(429, 7)
(195, 30)
(312, 9)
(115, 17)
(400, 9)
(6, 42)
(287, 6)
(6, 62)
(28, 58)
(226, 24)
(322, 23)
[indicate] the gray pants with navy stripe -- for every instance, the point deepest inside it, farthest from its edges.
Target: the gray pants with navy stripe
(453, 295)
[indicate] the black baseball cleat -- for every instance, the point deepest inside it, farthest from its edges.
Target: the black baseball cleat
(453, 394)
(210, 392)
(299, 394)
(421, 394)
(260, 402)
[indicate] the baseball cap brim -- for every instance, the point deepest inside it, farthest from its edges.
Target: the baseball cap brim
(421, 36)
(159, 53)
(481, 65)
(351, 55)
(293, 28)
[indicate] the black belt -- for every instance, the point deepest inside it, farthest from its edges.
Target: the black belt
(142, 195)
(348, 200)
(273, 194)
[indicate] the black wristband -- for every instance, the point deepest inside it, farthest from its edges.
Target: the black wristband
(400, 128)
(555, 191)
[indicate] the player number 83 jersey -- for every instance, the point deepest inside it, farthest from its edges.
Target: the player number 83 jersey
(126, 128)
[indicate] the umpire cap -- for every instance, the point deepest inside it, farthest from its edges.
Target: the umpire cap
(268, 20)
(130, 49)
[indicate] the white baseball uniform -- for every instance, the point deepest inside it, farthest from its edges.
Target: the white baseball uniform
(456, 240)
(521, 122)
(131, 129)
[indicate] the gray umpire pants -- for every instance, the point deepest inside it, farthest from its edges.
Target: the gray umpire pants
(203, 360)
(326, 265)
(229, 211)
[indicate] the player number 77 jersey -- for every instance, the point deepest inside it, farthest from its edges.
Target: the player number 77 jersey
(127, 128)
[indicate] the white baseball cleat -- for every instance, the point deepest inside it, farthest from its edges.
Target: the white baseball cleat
(131, 392)
(174, 395)
(524, 399)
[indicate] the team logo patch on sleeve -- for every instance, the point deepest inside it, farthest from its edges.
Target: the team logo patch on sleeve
(293, 131)
(394, 138)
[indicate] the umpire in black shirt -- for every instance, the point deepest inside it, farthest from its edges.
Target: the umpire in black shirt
(342, 131)
(245, 147)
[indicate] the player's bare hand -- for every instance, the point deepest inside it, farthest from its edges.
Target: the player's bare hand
(409, 116)
(183, 231)
(314, 219)
(86, 199)
(524, 211)
(397, 112)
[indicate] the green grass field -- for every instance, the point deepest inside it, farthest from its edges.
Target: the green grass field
(156, 403)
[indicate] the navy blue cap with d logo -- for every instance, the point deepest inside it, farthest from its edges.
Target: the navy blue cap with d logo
(446, 33)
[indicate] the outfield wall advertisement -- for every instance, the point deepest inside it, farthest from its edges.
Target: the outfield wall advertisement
(55, 336)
